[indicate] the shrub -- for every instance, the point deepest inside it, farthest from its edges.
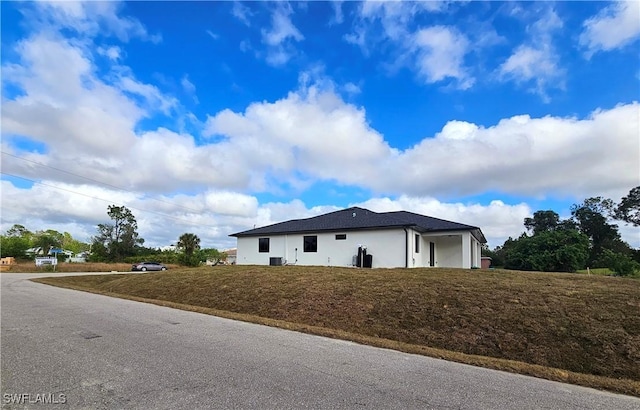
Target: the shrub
(619, 263)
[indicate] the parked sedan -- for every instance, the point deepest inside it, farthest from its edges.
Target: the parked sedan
(145, 266)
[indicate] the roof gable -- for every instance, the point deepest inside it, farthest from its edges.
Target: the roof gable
(360, 218)
(424, 223)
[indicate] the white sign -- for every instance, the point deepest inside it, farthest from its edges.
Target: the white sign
(46, 260)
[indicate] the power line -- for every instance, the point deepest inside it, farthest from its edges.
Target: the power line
(102, 199)
(93, 180)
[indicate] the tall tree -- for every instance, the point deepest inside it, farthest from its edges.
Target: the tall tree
(47, 240)
(628, 209)
(542, 221)
(591, 218)
(18, 230)
(120, 238)
(188, 243)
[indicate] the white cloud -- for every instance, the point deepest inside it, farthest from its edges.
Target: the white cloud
(89, 18)
(213, 35)
(280, 37)
(614, 27)
(540, 66)
(189, 87)
(113, 53)
(89, 127)
(151, 94)
(312, 132)
(535, 64)
(241, 12)
(435, 53)
(315, 133)
(338, 17)
(352, 89)
(529, 156)
(440, 55)
(63, 104)
(282, 28)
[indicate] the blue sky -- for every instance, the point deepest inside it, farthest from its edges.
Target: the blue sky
(213, 117)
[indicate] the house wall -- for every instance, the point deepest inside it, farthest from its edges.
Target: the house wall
(387, 247)
(422, 258)
(449, 251)
(457, 250)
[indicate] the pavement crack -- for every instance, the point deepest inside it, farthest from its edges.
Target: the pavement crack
(89, 335)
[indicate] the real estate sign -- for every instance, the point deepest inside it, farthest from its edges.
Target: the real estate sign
(46, 260)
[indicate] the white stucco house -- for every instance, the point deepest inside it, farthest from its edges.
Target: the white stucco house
(391, 239)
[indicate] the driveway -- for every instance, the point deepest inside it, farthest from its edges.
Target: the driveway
(86, 351)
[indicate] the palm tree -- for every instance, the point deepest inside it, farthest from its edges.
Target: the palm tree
(189, 243)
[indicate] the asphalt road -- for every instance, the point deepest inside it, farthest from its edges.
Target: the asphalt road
(96, 352)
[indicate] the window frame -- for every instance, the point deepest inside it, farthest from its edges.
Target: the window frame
(417, 244)
(310, 243)
(341, 237)
(261, 247)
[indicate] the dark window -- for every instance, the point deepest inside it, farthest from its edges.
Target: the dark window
(432, 254)
(311, 244)
(341, 236)
(263, 244)
(417, 243)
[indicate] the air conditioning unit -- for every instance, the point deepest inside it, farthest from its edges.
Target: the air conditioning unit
(277, 261)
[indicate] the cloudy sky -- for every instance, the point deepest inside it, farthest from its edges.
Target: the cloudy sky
(215, 117)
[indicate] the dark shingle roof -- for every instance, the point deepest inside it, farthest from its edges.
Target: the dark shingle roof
(360, 218)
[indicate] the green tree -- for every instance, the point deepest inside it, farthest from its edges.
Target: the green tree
(549, 251)
(119, 239)
(189, 244)
(496, 258)
(19, 231)
(15, 242)
(628, 209)
(211, 254)
(15, 246)
(619, 263)
(47, 239)
(591, 219)
(542, 221)
(73, 245)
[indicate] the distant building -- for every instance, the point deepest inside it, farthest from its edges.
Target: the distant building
(231, 256)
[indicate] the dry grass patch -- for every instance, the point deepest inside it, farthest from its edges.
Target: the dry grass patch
(30, 267)
(575, 328)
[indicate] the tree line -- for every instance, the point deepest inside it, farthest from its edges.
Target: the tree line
(115, 241)
(588, 239)
(17, 240)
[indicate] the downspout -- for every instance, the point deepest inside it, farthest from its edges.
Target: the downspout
(406, 248)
